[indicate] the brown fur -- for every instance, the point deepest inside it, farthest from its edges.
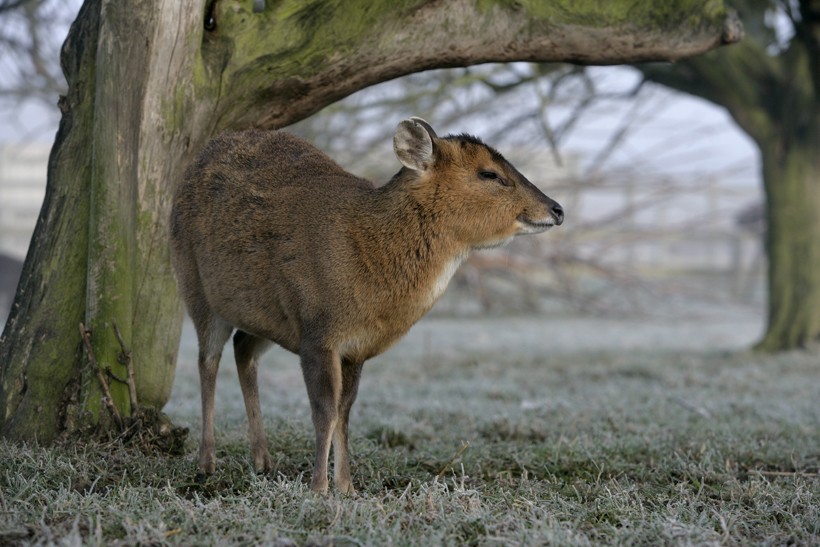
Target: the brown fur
(272, 238)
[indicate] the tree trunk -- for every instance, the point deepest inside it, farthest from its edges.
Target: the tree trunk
(99, 254)
(791, 175)
(149, 84)
(40, 349)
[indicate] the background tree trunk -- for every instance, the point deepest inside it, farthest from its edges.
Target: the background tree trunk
(772, 90)
(149, 85)
(791, 175)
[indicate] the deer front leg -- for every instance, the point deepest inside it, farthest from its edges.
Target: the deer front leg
(351, 372)
(322, 372)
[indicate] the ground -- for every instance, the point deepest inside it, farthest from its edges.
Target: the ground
(544, 429)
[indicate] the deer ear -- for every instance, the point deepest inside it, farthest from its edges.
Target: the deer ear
(413, 144)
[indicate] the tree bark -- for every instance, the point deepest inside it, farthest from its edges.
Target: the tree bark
(39, 349)
(151, 82)
(791, 176)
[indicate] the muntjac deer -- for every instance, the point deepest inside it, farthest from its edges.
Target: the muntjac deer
(272, 239)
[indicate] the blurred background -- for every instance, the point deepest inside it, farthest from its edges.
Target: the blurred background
(662, 191)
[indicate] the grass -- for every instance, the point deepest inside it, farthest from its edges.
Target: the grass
(648, 444)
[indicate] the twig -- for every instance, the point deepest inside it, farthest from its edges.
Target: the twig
(453, 459)
(132, 385)
(406, 490)
(107, 399)
(114, 376)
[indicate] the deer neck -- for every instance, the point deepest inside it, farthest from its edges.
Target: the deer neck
(421, 251)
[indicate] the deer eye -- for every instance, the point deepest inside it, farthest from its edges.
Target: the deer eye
(491, 175)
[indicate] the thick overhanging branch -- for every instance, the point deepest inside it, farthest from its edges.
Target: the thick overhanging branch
(284, 63)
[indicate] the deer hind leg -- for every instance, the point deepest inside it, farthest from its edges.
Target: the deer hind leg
(351, 372)
(321, 369)
(212, 333)
(247, 349)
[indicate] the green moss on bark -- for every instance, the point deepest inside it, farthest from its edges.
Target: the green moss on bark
(653, 16)
(40, 352)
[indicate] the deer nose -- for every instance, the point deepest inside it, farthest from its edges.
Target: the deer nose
(557, 212)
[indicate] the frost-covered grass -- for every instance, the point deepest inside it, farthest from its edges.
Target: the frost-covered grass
(580, 432)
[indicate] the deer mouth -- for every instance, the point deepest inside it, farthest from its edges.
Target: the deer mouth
(533, 226)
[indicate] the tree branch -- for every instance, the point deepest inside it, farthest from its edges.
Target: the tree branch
(380, 46)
